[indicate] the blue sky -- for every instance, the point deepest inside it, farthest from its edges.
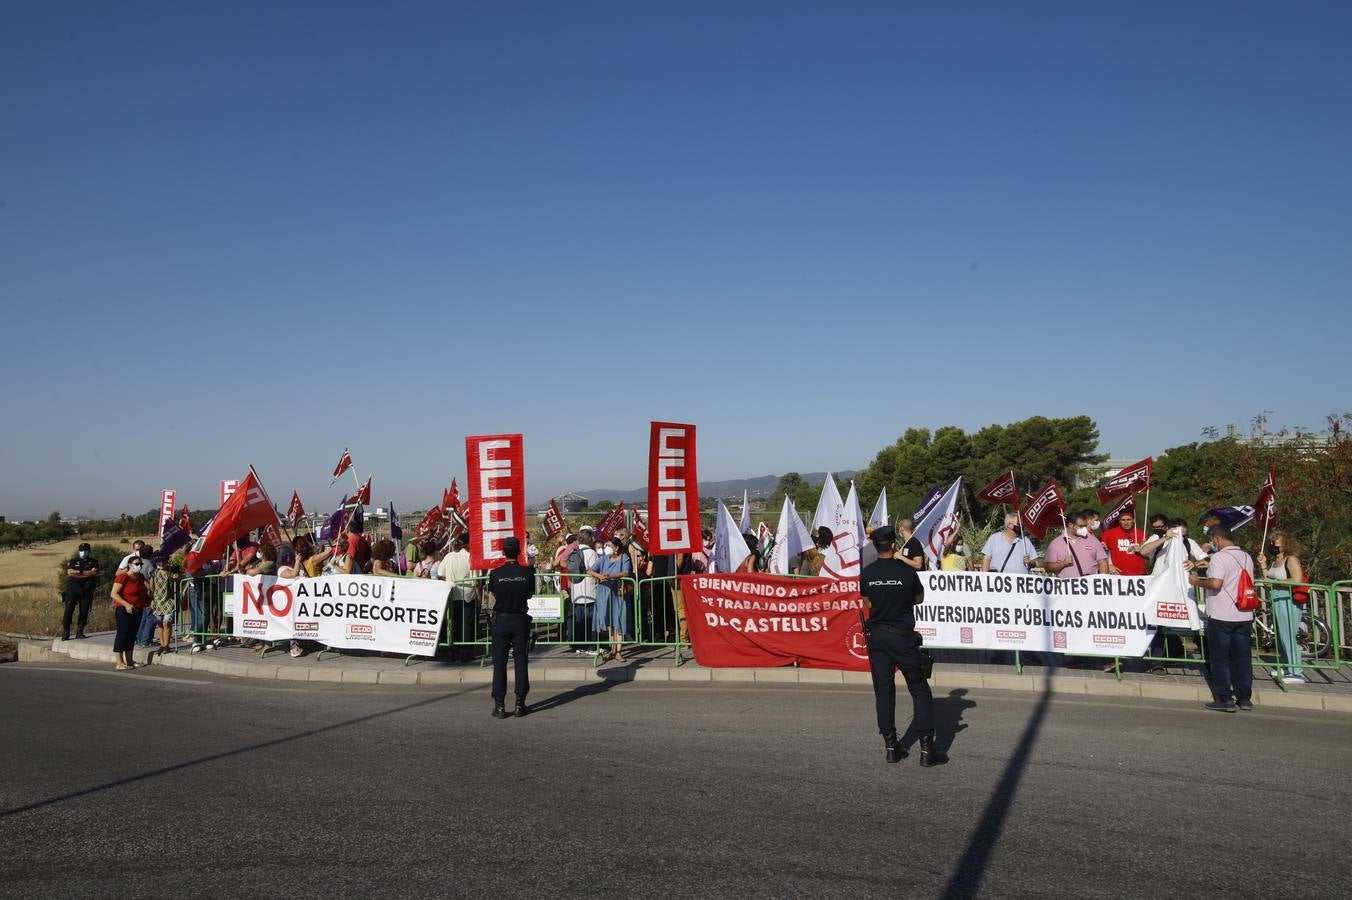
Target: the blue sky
(261, 232)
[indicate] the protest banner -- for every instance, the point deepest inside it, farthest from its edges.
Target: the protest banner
(673, 489)
(228, 488)
(554, 522)
(368, 612)
(166, 509)
(497, 496)
(768, 620)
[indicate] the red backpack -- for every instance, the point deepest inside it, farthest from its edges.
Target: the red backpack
(1246, 595)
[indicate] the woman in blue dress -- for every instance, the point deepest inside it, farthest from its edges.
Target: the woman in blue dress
(611, 612)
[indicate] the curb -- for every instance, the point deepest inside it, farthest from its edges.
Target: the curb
(690, 673)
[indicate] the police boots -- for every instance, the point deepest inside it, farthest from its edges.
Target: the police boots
(929, 754)
(498, 711)
(892, 748)
(520, 708)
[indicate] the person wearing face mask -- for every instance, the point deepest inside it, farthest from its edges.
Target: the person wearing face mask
(1150, 547)
(1008, 550)
(1076, 553)
(1286, 569)
(130, 595)
(610, 570)
(1094, 524)
(511, 585)
(955, 556)
(82, 574)
(1124, 541)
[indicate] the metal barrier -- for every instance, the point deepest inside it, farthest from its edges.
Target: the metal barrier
(1315, 625)
(1340, 593)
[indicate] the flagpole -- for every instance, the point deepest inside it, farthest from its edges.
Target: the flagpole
(290, 539)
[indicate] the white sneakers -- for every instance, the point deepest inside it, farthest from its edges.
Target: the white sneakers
(1293, 679)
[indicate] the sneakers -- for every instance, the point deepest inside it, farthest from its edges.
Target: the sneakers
(929, 754)
(296, 650)
(1293, 679)
(1218, 706)
(198, 648)
(1244, 704)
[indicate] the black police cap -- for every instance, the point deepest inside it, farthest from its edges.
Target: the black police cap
(885, 534)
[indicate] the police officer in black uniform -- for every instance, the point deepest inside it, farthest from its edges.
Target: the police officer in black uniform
(511, 585)
(81, 572)
(891, 590)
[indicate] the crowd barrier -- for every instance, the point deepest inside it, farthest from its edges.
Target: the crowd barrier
(654, 614)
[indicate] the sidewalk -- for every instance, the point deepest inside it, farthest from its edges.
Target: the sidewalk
(1326, 690)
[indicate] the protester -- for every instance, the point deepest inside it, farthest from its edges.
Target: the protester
(1229, 630)
(1154, 541)
(611, 614)
(145, 631)
(382, 558)
(455, 569)
(1008, 550)
(1124, 542)
(427, 560)
(130, 595)
(82, 574)
(912, 553)
(814, 557)
(357, 555)
(1075, 553)
(581, 560)
(752, 561)
(1286, 569)
(264, 562)
(954, 559)
(137, 547)
(164, 603)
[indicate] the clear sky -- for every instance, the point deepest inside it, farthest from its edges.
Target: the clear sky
(260, 232)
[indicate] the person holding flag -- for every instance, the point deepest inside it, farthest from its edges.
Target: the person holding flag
(1076, 553)
(1009, 550)
(1124, 540)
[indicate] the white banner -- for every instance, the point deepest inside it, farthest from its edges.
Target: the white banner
(1104, 615)
(368, 612)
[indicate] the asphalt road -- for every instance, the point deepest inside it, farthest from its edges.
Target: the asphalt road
(140, 784)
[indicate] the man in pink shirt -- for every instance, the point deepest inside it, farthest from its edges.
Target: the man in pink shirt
(1229, 630)
(1075, 552)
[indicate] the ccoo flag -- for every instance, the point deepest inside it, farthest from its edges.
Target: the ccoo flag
(938, 525)
(1001, 492)
(1135, 477)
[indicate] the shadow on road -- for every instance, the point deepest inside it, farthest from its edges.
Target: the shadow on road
(610, 678)
(165, 770)
(971, 866)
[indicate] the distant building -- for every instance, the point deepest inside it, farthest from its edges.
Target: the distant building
(1093, 475)
(572, 503)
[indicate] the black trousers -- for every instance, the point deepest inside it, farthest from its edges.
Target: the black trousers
(511, 629)
(72, 602)
(125, 639)
(890, 649)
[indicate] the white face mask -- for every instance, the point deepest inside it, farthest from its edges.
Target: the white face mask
(960, 549)
(1082, 532)
(1094, 525)
(84, 554)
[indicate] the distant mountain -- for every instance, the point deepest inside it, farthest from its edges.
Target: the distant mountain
(761, 486)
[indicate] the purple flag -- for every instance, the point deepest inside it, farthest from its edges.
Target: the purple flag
(1230, 516)
(931, 500)
(329, 530)
(172, 539)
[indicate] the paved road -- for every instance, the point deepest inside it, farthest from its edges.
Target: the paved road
(165, 784)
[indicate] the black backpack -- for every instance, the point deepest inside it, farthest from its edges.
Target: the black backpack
(576, 564)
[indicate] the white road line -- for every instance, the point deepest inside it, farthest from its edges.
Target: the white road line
(110, 672)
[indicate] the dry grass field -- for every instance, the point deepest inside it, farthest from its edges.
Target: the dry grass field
(29, 602)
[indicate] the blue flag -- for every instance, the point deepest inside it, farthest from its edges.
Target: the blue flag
(396, 533)
(1231, 516)
(931, 500)
(172, 540)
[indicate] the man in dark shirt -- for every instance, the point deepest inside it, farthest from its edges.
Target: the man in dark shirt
(912, 553)
(82, 573)
(891, 589)
(511, 585)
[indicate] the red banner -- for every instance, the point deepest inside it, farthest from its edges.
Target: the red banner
(364, 493)
(1135, 477)
(247, 508)
(770, 620)
(1127, 505)
(430, 523)
(610, 523)
(673, 489)
(496, 464)
(640, 533)
(554, 520)
(295, 511)
(271, 535)
(1001, 491)
(344, 463)
(1265, 507)
(1042, 508)
(228, 488)
(166, 509)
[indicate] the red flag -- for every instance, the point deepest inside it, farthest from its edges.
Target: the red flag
(673, 489)
(1265, 507)
(364, 495)
(272, 536)
(295, 510)
(184, 520)
(344, 464)
(1042, 508)
(640, 535)
(1135, 477)
(1127, 505)
(496, 465)
(430, 523)
(248, 508)
(1002, 491)
(554, 520)
(610, 523)
(452, 497)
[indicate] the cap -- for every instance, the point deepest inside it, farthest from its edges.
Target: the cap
(511, 547)
(586, 528)
(85, 547)
(884, 534)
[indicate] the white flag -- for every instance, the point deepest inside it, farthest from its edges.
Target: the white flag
(1169, 600)
(938, 526)
(730, 549)
(841, 559)
(879, 516)
(828, 506)
(854, 515)
(791, 539)
(745, 524)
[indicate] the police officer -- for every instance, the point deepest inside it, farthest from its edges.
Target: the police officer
(81, 572)
(891, 590)
(511, 585)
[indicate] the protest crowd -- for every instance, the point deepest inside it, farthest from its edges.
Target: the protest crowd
(614, 594)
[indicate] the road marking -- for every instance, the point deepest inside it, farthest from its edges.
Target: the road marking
(109, 672)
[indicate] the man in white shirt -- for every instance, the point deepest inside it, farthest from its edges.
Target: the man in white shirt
(454, 567)
(1008, 551)
(582, 592)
